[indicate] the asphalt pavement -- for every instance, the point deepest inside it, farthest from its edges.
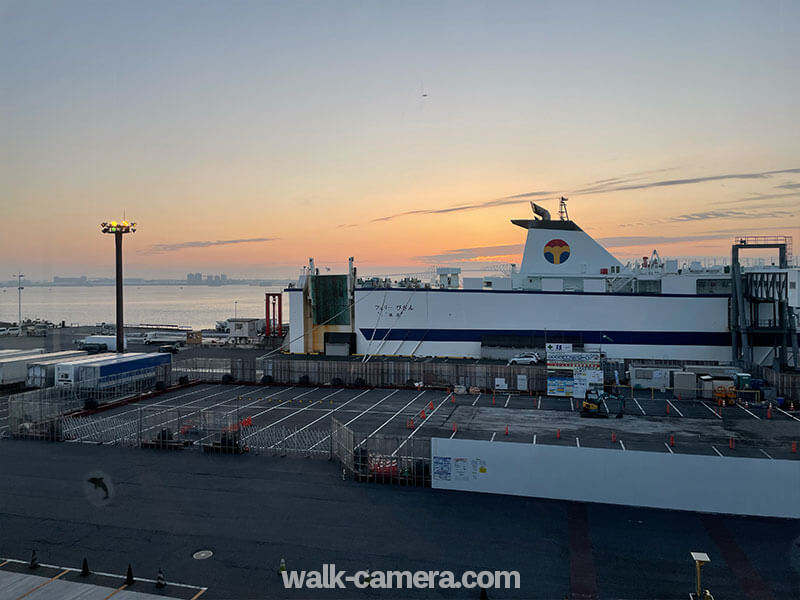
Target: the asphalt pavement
(251, 511)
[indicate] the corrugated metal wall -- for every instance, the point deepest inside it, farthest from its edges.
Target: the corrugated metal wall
(401, 373)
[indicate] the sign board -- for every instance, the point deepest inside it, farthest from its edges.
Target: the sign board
(522, 383)
(558, 347)
(572, 373)
(500, 383)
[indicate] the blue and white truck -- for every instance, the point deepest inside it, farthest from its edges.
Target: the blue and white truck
(124, 369)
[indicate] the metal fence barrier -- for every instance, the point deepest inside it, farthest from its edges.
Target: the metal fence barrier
(397, 460)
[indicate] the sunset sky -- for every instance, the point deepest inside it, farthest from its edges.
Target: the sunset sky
(245, 137)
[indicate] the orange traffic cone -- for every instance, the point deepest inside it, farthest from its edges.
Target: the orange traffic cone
(731, 443)
(455, 427)
(769, 411)
(422, 413)
(506, 429)
(794, 447)
(614, 437)
(667, 407)
(558, 434)
(672, 441)
(430, 405)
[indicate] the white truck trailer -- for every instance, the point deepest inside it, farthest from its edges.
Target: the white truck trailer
(165, 337)
(14, 369)
(42, 373)
(68, 373)
(110, 342)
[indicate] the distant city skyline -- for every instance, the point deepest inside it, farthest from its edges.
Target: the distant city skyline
(245, 138)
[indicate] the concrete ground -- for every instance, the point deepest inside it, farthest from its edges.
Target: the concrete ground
(251, 511)
(690, 426)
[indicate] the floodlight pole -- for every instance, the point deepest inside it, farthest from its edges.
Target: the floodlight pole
(119, 229)
(19, 277)
(120, 321)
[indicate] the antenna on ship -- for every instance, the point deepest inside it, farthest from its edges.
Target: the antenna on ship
(562, 209)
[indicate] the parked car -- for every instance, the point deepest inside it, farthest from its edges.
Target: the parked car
(173, 348)
(13, 331)
(3, 330)
(526, 358)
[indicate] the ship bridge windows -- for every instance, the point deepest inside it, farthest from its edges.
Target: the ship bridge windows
(720, 286)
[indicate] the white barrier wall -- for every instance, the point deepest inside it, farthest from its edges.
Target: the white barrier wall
(743, 486)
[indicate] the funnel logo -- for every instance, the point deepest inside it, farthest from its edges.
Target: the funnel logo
(556, 251)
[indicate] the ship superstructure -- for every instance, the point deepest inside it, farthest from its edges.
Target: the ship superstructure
(568, 289)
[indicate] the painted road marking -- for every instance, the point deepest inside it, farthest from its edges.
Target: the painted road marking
(583, 578)
(787, 414)
(623, 445)
(413, 433)
(668, 448)
(605, 406)
(197, 411)
(640, 406)
(452, 435)
(534, 439)
(748, 578)
(572, 405)
(386, 422)
(327, 414)
(762, 450)
(577, 441)
(677, 410)
(717, 451)
(361, 414)
(305, 393)
(539, 403)
(117, 440)
(44, 583)
(476, 400)
(494, 433)
(755, 416)
(710, 409)
(507, 401)
(116, 591)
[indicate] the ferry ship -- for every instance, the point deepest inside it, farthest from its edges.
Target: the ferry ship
(568, 290)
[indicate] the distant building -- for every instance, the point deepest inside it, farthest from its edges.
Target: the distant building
(69, 280)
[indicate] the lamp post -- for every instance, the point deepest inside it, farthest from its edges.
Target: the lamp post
(19, 277)
(235, 303)
(118, 230)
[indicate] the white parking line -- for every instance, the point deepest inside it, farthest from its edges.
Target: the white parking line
(119, 439)
(623, 445)
(386, 422)
(257, 400)
(755, 416)
(539, 403)
(787, 414)
(717, 451)
(765, 453)
(534, 439)
(410, 435)
(606, 406)
(306, 393)
(476, 400)
(361, 414)
(289, 416)
(640, 406)
(577, 441)
(668, 448)
(452, 435)
(711, 409)
(493, 434)
(507, 401)
(327, 414)
(677, 410)
(571, 405)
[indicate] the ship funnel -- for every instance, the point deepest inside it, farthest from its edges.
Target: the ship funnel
(542, 212)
